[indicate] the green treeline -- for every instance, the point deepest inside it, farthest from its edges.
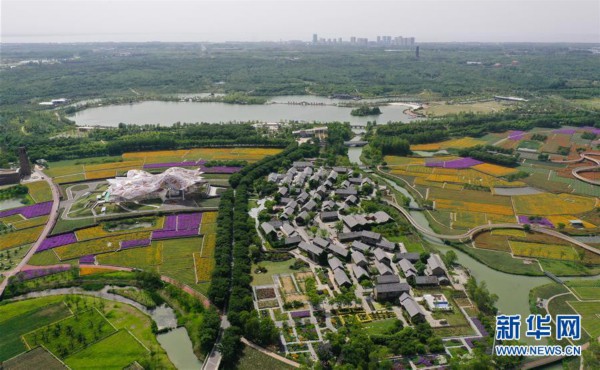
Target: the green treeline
(231, 282)
(478, 125)
(46, 144)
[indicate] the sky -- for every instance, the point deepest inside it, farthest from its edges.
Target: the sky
(228, 20)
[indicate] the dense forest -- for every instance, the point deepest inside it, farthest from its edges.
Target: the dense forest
(475, 125)
(79, 71)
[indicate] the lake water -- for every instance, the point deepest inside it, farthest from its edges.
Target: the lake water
(179, 348)
(278, 109)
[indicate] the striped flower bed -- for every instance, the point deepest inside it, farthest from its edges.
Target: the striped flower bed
(36, 273)
(173, 234)
(126, 244)
(90, 259)
(456, 163)
(479, 326)
(567, 131)
(189, 221)
(57, 241)
(299, 314)
(542, 221)
(199, 164)
(35, 210)
(516, 135)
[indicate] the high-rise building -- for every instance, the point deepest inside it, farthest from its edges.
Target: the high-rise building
(315, 38)
(379, 39)
(417, 52)
(24, 165)
(353, 40)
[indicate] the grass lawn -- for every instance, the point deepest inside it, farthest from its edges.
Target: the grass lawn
(11, 257)
(272, 268)
(411, 245)
(140, 296)
(114, 352)
(503, 262)
(252, 359)
(379, 327)
(47, 258)
(21, 317)
(530, 144)
(63, 226)
(589, 318)
(567, 268)
(585, 289)
(39, 191)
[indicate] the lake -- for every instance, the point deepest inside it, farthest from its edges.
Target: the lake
(281, 108)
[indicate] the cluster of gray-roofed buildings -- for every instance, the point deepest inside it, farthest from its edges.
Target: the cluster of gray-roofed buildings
(330, 199)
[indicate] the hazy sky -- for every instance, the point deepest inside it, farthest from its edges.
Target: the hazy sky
(199, 20)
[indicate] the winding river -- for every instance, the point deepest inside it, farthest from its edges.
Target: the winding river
(304, 108)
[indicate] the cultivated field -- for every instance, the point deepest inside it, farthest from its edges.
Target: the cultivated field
(20, 237)
(95, 246)
(39, 191)
(553, 204)
(465, 142)
(537, 250)
(589, 316)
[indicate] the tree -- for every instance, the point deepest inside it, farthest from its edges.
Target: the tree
(450, 258)
(230, 345)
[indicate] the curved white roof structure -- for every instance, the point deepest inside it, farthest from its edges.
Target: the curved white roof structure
(139, 185)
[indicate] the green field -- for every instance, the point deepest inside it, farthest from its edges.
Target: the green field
(503, 262)
(22, 317)
(252, 359)
(567, 268)
(585, 289)
(589, 316)
(530, 144)
(272, 269)
(72, 334)
(379, 327)
(39, 191)
(104, 354)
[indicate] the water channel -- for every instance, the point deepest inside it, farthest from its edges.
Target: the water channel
(304, 108)
(175, 342)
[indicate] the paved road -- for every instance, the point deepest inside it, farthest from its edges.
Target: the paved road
(51, 221)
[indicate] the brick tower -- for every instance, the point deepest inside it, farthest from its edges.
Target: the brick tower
(24, 165)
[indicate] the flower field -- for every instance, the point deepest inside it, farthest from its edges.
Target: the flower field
(95, 246)
(473, 207)
(556, 252)
(545, 204)
(564, 219)
(99, 232)
(247, 154)
(20, 237)
(32, 222)
(465, 142)
(39, 191)
(453, 175)
(35, 210)
(204, 267)
(87, 270)
(113, 166)
(494, 170)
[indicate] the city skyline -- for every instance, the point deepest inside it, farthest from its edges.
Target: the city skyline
(209, 21)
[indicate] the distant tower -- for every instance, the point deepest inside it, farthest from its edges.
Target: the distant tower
(24, 165)
(315, 38)
(417, 52)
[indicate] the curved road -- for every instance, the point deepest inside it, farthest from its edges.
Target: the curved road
(51, 221)
(583, 156)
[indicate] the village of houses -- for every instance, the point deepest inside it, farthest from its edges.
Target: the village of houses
(346, 257)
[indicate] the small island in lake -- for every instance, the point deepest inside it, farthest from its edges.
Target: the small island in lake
(365, 110)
